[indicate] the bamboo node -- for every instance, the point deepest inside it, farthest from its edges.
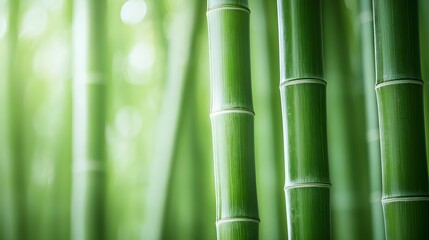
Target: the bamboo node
(405, 199)
(399, 81)
(232, 111)
(308, 185)
(288, 82)
(228, 7)
(236, 219)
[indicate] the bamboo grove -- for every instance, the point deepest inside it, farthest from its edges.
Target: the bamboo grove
(214, 119)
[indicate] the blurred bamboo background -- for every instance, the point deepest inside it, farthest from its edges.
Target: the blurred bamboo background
(158, 157)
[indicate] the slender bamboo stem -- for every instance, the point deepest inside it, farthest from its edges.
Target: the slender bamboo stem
(373, 139)
(232, 119)
(170, 119)
(15, 122)
(351, 216)
(10, 202)
(303, 95)
(400, 109)
(273, 46)
(265, 71)
(424, 50)
(90, 74)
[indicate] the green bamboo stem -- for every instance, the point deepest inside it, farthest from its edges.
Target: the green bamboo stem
(183, 196)
(61, 196)
(90, 74)
(424, 51)
(171, 116)
(273, 50)
(303, 95)
(273, 47)
(7, 206)
(373, 139)
(15, 122)
(183, 219)
(265, 74)
(9, 199)
(351, 215)
(232, 120)
(400, 109)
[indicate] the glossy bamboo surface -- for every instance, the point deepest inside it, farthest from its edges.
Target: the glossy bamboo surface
(232, 120)
(303, 96)
(400, 108)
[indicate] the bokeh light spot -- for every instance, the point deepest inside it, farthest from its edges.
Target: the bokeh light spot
(133, 11)
(128, 122)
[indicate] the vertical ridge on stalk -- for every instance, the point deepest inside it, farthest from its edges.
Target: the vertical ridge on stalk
(232, 119)
(303, 96)
(400, 108)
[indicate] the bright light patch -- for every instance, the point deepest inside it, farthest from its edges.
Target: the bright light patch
(140, 60)
(133, 11)
(53, 5)
(141, 57)
(128, 122)
(3, 26)
(50, 60)
(34, 22)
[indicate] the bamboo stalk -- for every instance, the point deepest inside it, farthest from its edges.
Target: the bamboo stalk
(400, 109)
(303, 95)
(268, 150)
(90, 73)
(424, 51)
(351, 216)
(171, 116)
(232, 119)
(10, 203)
(15, 101)
(373, 140)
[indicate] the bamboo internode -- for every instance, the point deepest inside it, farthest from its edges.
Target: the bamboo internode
(399, 92)
(232, 120)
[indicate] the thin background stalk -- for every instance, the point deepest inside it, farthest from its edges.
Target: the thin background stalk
(90, 73)
(169, 120)
(10, 202)
(424, 52)
(346, 125)
(268, 147)
(372, 132)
